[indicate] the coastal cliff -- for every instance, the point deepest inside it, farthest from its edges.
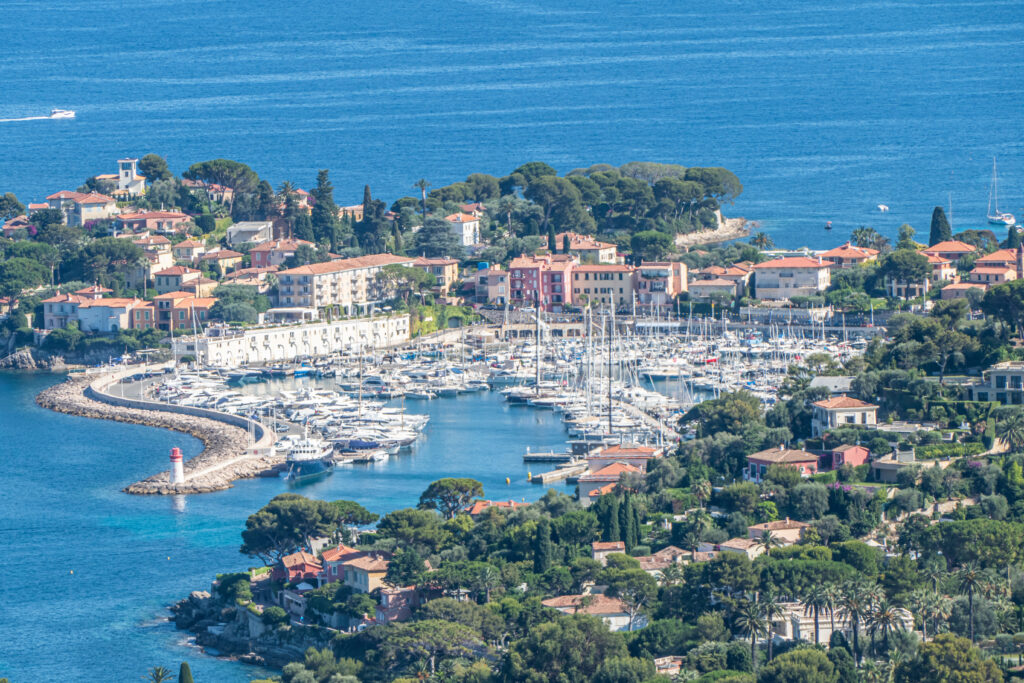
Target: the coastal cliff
(226, 455)
(32, 359)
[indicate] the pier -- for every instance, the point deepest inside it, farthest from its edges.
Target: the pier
(560, 474)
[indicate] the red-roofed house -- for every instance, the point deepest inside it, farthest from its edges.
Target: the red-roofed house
(171, 279)
(300, 566)
(758, 463)
(841, 411)
(943, 269)
(106, 315)
(600, 550)
(585, 248)
(612, 611)
(275, 252)
(785, 530)
(222, 260)
(189, 251)
(94, 292)
(784, 278)
(79, 208)
(333, 560)
(366, 573)
(466, 227)
(638, 456)
(992, 275)
(848, 255)
(61, 309)
(478, 507)
(156, 221)
(595, 484)
(704, 289)
(952, 250)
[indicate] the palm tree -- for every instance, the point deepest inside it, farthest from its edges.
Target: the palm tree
(762, 241)
(1011, 432)
(855, 601)
(768, 541)
(672, 574)
(772, 610)
(702, 491)
(423, 184)
(935, 574)
(817, 601)
(750, 622)
(486, 580)
(832, 595)
(970, 580)
(873, 673)
(159, 674)
(863, 236)
(885, 619)
(506, 205)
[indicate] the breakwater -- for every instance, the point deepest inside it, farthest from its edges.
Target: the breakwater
(233, 447)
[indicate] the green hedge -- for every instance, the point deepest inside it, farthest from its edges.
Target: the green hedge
(944, 451)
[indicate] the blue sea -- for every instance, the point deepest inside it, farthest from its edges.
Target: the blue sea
(823, 109)
(87, 571)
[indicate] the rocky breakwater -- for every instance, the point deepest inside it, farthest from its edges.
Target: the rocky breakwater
(227, 454)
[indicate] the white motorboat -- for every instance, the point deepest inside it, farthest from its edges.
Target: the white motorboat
(62, 114)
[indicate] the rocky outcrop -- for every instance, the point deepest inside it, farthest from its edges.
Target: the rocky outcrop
(728, 229)
(237, 633)
(225, 457)
(33, 359)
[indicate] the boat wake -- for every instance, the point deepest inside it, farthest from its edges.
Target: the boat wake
(26, 118)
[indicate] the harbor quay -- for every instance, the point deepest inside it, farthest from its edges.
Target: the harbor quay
(228, 348)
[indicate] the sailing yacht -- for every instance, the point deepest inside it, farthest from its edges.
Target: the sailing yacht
(997, 217)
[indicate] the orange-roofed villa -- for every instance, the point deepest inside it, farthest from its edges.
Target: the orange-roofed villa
(841, 411)
(784, 278)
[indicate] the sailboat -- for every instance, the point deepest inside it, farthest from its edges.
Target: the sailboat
(997, 217)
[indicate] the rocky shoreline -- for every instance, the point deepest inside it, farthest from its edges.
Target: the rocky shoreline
(728, 229)
(225, 456)
(234, 632)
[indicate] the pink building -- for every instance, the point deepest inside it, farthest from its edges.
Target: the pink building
(275, 252)
(543, 279)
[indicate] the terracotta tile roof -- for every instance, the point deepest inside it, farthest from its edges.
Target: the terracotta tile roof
(152, 240)
(371, 261)
(780, 525)
(792, 262)
(424, 261)
(339, 553)
(82, 198)
(717, 282)
(64, 298)
(94, 289)
(280, 245)
(842, 402)
(993, 270)
(618, 449)
(108, 303)
(848, 251)
(608, 546)
(461, 218)
(221, 254)
(965, 285)
(783, 455)
(739, 543)
(1008, 256)
(189, 244)
(145, 215)
(578, 242)
(934, 259)
(38, 206)
(603, 491)
(176, 270)
(171, 296)
(597, 605)
(299, 559)
(616, 469)
(369, 563)
(951, 247)
(479, 506)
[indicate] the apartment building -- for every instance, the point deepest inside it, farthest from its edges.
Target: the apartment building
(784, 278)
(604, 286)
(347, 285)
(545, 280)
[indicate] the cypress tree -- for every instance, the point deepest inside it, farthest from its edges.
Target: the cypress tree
(542, 547)
(185, 673)
(552, 247)
(1013, 239)
(565, 243)
(941, 230)
(304, 228)
(610, 518)
(627, 522)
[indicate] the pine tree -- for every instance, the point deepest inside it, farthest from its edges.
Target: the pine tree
(941, 230)
(542, 547)
(552, 246)
(185, 673)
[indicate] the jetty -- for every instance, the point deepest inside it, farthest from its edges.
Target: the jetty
(232, 448)
(562, 473)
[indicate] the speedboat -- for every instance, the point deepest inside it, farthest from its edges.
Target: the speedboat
(62, 114)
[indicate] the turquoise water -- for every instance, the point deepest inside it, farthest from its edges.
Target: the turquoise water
(88, 571)
(823, 109)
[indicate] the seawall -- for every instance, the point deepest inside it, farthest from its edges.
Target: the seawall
(229, 451)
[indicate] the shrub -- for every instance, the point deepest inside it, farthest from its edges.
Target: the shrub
(275, 617)
(944, 451)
